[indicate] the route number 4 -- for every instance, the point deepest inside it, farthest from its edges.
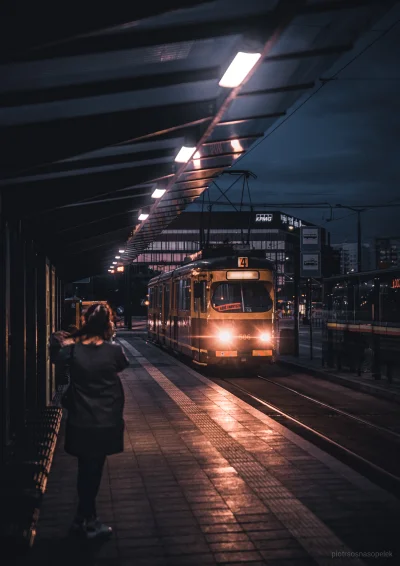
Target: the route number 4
(243, 262)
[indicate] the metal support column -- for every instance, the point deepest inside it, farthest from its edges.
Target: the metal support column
(4, 336)
(309, 315)
(359, 247)
(296, 285)
(18, 328)
(41, 330)
(31, 327)
(128, 297)
(376, 369)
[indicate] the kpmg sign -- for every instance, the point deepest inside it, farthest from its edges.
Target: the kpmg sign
(264, 217)
(283, 219)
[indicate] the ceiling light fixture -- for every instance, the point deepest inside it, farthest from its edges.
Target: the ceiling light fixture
(117, 257)
(158, 193)
(115, 262)
(185, 153)
(239, 69)
(236, 145)
(121, 251)
(143, 216)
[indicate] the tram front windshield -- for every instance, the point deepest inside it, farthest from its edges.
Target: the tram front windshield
(239, 297)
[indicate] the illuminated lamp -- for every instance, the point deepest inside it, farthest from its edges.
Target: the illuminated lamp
(185, 153)
(143, 215)
(239, 69)
(158, 193)
(241, 275)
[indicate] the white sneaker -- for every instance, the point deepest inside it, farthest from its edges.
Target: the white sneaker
(96, 529)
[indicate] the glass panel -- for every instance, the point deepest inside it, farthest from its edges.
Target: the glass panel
(242, 297)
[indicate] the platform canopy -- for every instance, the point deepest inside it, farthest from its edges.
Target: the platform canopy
(95, 109)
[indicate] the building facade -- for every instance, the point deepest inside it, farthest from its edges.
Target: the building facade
(387, 252)
(348, 252)
(275, 232)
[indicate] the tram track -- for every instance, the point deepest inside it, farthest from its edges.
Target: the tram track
(371, 449)
(334, 409)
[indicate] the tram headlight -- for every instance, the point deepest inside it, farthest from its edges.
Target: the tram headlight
(225, 336)
(265, 337)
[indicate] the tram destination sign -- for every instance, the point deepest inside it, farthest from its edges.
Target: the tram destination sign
(310, 264)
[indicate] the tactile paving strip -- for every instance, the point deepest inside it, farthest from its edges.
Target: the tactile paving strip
(315, 537)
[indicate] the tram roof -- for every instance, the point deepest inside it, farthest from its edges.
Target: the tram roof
(229, 262)
(95, 108)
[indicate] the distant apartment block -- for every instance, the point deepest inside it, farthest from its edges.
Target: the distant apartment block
(349, 257)
(387, 252)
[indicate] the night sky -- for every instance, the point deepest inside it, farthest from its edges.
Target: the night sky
(342, 146)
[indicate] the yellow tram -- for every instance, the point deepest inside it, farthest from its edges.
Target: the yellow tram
(217, 309)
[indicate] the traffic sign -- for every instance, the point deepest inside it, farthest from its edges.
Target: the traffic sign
(310, 264)
(310, 238)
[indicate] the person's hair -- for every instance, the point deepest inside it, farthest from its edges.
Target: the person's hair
(97, 322)
(72, 328)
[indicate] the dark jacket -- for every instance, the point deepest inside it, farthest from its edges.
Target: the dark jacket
(95, 421)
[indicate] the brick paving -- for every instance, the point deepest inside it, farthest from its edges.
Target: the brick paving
(207, 479)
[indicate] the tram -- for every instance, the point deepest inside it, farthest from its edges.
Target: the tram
(362, 316)
(218, 309)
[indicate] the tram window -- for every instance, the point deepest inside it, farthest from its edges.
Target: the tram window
(151, 297)
(174, 294)
(160, 290)
(166, 300)
(200, 298)
(184, 294)
(242, 297)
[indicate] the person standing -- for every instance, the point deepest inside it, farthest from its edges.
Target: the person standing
(95, 404)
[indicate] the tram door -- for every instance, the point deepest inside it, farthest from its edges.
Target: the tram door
(175, 307)
(165, 321)
(159, 313)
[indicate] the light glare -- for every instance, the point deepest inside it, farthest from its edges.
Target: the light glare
(265, 337)
(158, 193)
(225, 336)
(239, 69)
(143, 216)
(185, 153)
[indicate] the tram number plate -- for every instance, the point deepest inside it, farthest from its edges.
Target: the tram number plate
(243, 262)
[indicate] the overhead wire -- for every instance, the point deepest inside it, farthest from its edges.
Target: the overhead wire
(320, 87)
